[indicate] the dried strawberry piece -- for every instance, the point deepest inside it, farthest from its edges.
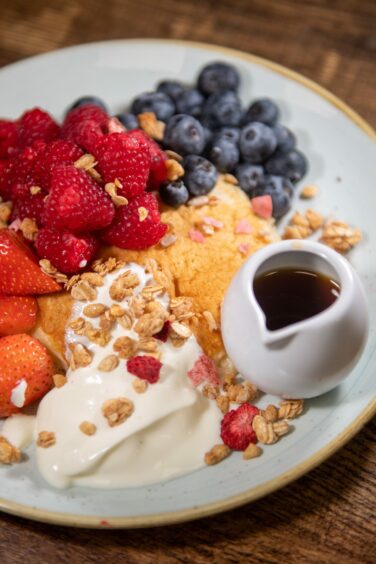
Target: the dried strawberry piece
(67, 252)
(204, 370)
(145, 367)
(36, 124)
(131, 230)
(121, 157)
(263, 206)
(76, 202)
(236, 427)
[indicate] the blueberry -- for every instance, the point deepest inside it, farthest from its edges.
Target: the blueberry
(174, 193)
(217, 77)
(156, 102)
(128, 120)
(88, 100)
(263, 110)
(230, 133)
(223, 108)
(189, 102)
(172, 88)
(249, 177)
(200, 175)
(208, 133)
(280, 189)
(257, 142)
(184, 134)
(224, 154)
(293, 165)
(285, 138)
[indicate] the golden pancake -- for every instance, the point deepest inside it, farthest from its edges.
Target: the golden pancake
(200, 270)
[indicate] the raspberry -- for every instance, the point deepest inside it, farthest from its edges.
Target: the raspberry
(122, 157)
(36, 124)
(8, 138)
(20, 169)
(236, 427)
(129, 231)
(158, 171)
(204, 370)
(145, 367)
(84, 126)
(76, 202)
(68, 252)
(27, 205)
(54, 153)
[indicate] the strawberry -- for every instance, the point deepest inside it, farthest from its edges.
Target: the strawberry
(20, 273)
(68, 252)
(158, 170)
(236, 427)
(26, 204)
(18, 314)
(54, 153)
(8, 137)
(145, 367)
(76, 202)
(121, 157)
(26, 365)
(130, 228)
(36, 124)
(204, 370)
(263, 206)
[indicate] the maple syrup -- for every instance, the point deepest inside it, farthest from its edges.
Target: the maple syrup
(290, 295)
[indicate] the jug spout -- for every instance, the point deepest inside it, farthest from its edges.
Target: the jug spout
(277, 338)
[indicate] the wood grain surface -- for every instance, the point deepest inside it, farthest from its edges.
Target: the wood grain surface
(329, 515)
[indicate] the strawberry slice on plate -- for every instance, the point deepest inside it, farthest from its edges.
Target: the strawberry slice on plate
(20, 272)
(26, 372)
(18, 314)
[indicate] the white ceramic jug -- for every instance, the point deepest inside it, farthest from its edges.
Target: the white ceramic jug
(306, 358)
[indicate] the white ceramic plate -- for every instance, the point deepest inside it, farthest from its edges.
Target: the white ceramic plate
(342, 154)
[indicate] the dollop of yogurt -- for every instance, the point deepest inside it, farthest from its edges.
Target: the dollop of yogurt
(168, 433)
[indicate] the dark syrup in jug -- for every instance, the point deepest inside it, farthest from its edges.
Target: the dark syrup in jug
(289, 295)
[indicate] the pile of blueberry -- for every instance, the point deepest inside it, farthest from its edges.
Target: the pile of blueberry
(211, 129)
(208, 125)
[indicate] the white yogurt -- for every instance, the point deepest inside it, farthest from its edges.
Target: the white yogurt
(167, 435)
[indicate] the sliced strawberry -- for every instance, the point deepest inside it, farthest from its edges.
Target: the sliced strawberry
(36, 124)
(20, 272)
(120, 157)
(26, 371)
(18, 314)
(263, 206)
(76, 202)
(204, 371)
(236, 427)
(69, 253)
(137, 225)
(145, 367)
(54, 153)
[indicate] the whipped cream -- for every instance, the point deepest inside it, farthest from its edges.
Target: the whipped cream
(168, 433)
(17, 397)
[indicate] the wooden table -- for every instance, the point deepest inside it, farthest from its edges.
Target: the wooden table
(327, 516)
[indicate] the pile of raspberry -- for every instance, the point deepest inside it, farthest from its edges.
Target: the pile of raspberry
(86, 181)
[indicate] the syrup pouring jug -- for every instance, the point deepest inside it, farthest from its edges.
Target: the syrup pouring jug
(309, 357)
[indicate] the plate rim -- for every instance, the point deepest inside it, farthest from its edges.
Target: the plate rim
(252, 494)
